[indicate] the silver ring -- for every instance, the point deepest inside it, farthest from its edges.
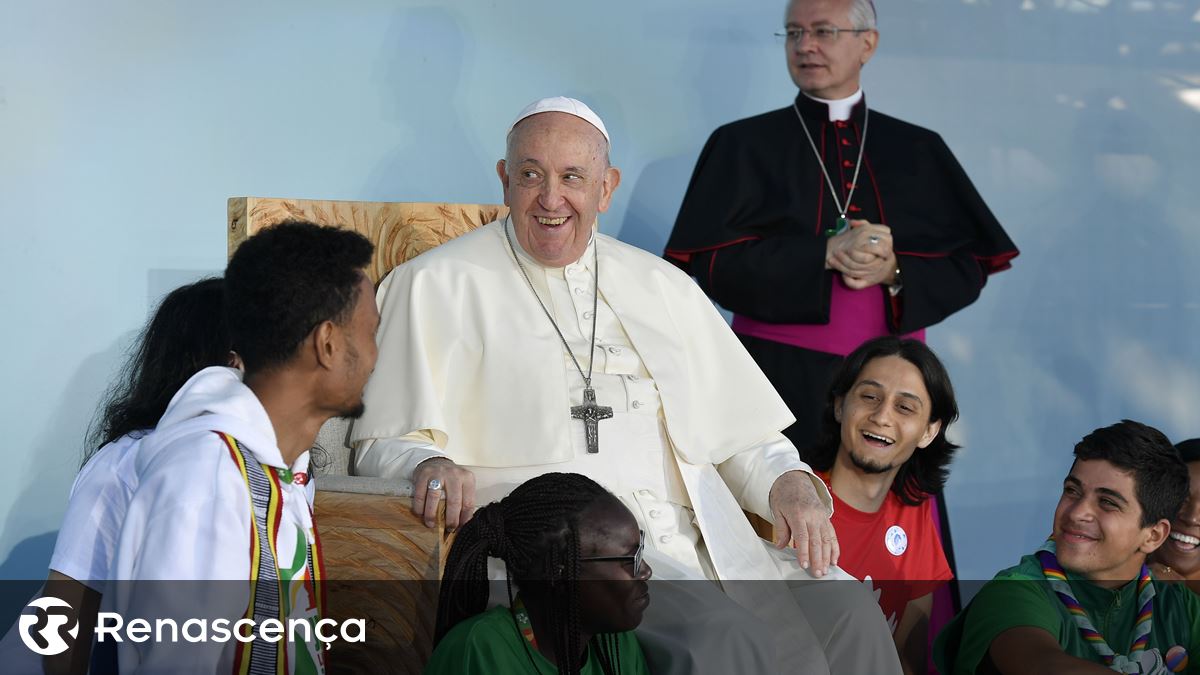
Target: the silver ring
(873, 239)
(435, 484)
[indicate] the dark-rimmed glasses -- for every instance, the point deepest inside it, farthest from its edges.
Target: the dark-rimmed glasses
(634, 559)
(823, 34)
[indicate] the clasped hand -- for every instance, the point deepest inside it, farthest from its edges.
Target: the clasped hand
(862, 254)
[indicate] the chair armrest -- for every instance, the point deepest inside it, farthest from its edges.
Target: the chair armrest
(364, 485)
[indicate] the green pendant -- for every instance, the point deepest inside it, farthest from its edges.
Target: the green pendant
(841, 223)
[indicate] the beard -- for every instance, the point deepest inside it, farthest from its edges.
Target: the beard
(867, 466)
(353, 412)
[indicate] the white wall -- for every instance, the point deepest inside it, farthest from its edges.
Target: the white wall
(125, 125)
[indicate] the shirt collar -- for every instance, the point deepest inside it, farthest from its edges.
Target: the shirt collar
(1092, 594)
(584, 260)
(833, 110)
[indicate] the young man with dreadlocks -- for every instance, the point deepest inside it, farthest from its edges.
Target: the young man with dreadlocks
(1087, 601)
(883, 451)
(575, 553)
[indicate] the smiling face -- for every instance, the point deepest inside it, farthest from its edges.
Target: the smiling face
(612, 598)
(884, 416)
(556, 179)
(1098, 524)
(828, 70)
(1181, 552)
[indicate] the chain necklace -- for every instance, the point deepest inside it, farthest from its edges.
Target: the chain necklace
(590, 411)
(842, 223)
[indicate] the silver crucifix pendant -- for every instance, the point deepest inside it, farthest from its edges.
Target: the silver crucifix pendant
(591, 414)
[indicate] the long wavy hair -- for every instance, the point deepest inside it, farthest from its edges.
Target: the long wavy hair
(926, 471)
(187, 333)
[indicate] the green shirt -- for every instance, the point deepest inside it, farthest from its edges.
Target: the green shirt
(489, 643)
(1021, 596)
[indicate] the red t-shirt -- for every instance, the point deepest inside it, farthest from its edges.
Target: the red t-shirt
(897, 550)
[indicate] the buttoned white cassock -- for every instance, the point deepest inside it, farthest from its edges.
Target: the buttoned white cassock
(469, 366)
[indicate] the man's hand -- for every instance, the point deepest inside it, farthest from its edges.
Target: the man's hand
(800, 517)
(862, 254)
(883, 271)
(458, 484)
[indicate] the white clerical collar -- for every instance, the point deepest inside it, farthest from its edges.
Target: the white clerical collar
(839, 109)
(585, 259)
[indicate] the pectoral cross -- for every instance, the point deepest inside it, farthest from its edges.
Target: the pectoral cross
(842, 223)
(591, 414)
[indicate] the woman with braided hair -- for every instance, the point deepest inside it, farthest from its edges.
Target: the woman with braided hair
(575, 554)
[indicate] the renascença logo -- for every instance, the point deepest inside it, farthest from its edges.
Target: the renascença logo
(46, 631)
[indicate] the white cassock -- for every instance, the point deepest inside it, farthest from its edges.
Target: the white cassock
(471, 368)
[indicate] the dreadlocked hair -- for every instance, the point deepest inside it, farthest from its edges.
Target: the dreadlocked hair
(535, 531)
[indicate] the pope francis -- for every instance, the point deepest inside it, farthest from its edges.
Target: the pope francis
(537, 344)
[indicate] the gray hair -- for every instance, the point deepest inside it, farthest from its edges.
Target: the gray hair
(862, 14)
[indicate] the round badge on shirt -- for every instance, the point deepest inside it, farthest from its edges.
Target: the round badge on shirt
(896, 540)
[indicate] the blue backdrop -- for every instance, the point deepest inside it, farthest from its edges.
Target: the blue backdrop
(125, 125)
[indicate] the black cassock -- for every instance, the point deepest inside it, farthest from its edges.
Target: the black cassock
(752, 231)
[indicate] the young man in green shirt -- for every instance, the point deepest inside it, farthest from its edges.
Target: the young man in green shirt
(1086, 602)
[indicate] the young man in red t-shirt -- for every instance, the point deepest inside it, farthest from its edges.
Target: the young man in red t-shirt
(883, 451)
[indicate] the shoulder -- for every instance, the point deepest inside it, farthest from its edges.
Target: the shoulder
(474, 246)
(109, 467)
(1012, 587)
(641, 259)
(95, 511)
(482, 643)
(631, 659)
(763, 123)
(1013, 598)
(917, 520)
(890, 125)
(897, 135)
(642, 262)
(649, 270)
(751, 136)
(467, 261)
(189, 468)
(920, 514)
(1018, 591)
(1176, 597)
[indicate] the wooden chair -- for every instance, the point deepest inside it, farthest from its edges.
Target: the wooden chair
(383, 563)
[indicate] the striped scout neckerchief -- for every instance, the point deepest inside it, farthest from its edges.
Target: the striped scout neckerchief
(259, 657)
(1057, 577)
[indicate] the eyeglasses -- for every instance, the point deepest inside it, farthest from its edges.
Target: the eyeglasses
(635, 559)
(822, 34)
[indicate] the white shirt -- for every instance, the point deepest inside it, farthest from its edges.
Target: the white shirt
(95, 509)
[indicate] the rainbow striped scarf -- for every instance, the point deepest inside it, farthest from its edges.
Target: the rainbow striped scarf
(1057, 577)
(260, 657)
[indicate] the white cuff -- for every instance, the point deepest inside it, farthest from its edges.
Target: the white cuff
(395, 458)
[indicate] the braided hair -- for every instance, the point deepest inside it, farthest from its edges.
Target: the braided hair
(535, 531)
